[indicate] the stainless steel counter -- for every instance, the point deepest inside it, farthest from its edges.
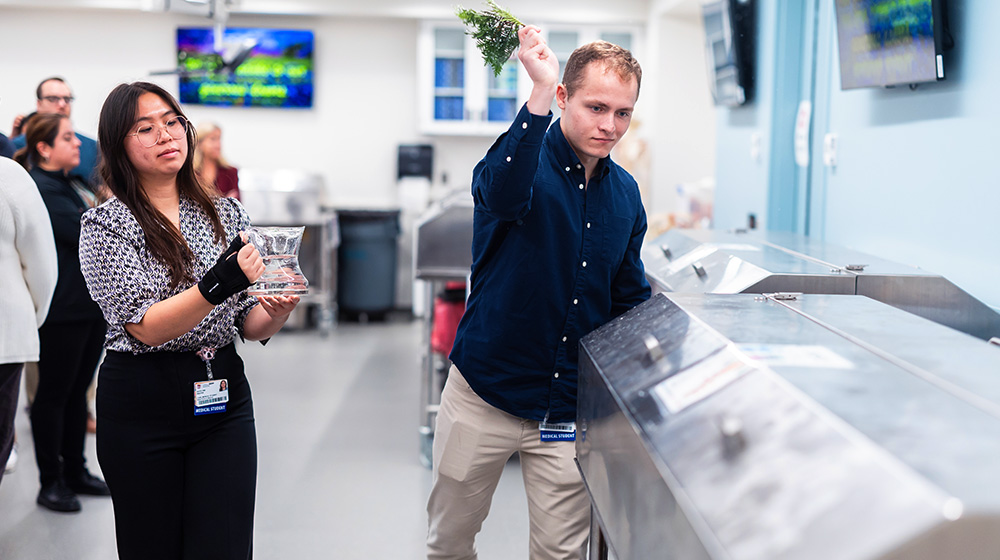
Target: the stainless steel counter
(709, 261)
(826, 426)
(444, 240)
(443, 251)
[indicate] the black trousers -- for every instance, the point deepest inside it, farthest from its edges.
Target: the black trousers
(183, 486)
(67, 361)
(10, 387)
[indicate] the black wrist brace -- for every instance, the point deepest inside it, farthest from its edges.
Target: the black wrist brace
(226, 277)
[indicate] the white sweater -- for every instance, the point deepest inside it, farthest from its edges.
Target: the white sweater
(28, 268)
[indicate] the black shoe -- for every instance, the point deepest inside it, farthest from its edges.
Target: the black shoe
(86, 483)
(58, 497)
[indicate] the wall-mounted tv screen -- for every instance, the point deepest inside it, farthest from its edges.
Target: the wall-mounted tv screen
(729, 49)
(256, 68)
(890, 42)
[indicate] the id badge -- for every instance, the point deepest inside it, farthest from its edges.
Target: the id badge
(210, 397)
(557, 432)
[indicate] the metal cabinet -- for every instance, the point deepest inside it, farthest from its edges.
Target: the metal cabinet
(710, 261)
(785, 427)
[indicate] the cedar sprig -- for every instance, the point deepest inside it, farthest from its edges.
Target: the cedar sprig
(495, 31)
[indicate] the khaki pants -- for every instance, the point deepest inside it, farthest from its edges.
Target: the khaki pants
(472, 442)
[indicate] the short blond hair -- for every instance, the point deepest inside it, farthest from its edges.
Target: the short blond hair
(612, 56)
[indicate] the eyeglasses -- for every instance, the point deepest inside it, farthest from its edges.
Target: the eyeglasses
(148, 135)
(54, 99)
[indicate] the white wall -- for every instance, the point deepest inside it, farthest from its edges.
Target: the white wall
(677, 112)
(915, 179)
(365, 103)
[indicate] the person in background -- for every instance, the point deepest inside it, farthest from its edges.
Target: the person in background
(21, 123)
(557, 232)
(73, 334)
(166, 261)
(6, 146)
(91, 195)
(209, 164)
(54, 96)
(28, 273)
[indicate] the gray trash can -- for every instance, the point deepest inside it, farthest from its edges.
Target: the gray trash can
(366, 262)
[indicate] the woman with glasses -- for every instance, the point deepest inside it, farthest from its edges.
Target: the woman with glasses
(209, 164)
(73, 334)
(166, 262)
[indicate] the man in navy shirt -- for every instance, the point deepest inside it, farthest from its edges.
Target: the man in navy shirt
(557, 232)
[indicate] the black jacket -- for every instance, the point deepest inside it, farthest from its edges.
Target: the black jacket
(71, 301)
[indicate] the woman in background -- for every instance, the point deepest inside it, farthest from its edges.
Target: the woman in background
(28, 275)
(211, 167)
(72, 336)
(165, 260)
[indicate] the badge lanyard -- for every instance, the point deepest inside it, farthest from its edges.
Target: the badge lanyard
(553, 431)
(210, 397)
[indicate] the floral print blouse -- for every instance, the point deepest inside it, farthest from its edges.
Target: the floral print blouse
(126, 280)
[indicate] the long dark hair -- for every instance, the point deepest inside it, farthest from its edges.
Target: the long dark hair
(163, 239)
(43, 127)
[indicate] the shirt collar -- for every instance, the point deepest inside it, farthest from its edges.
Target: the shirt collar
(565, 155)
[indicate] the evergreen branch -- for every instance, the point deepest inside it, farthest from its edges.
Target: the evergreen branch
(495, 32)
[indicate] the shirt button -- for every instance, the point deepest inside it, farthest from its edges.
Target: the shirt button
(581, 186)
(567, 169)
(578, 166)
(557, 375)
(524, 125)
(508, 158)
(588, 225)
(584, 264)
(575, 301)
(564, 339)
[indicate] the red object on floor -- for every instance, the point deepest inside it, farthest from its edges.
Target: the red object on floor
(449, 306)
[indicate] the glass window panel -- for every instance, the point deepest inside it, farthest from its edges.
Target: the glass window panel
(623, 40)
(449, 40)
(449, 72)
(506, 82)
(503, 110)
(563, 43)
(449, 108)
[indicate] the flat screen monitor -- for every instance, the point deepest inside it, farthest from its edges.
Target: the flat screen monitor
(256, 68)
(729, 49)
(890, 42)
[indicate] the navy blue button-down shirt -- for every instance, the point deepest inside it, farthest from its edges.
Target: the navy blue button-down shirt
(553, 258)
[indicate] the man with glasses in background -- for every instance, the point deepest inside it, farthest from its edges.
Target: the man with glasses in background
(54, 96)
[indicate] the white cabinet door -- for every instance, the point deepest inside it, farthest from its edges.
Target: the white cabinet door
(459, 95)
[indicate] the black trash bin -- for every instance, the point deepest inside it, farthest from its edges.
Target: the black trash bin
(366, 263)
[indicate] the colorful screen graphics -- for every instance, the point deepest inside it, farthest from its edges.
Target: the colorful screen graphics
(277, 70)
(887, 42)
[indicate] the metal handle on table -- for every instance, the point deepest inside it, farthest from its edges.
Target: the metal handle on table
(653, 349)
(733, 440)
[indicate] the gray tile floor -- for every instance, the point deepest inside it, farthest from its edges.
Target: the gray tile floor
(340, 474)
